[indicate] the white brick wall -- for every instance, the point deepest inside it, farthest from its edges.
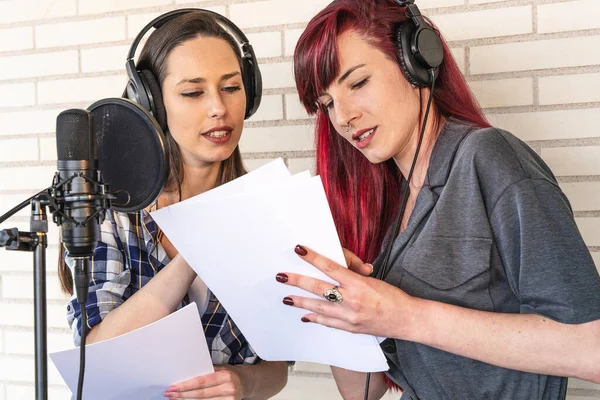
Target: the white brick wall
(531, 63)
(583, 196)
(551, 17)
(28, 122)
(504, 92)
(560, 124)
(573, 160)
(33, 10)
(99, 7)
(38, 65)
(16, 38)
(483, 24)
(549, 53)
(285, 138)
(89, 31)
(81, 89)
(17, 95)
(110, 58)
(566, 89)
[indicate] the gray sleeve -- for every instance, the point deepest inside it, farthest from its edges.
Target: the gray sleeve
(547, 263)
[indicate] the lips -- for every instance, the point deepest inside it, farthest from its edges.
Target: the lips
(364, 136)
(218, 134)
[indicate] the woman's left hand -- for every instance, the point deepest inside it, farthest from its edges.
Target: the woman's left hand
(368, 305)
(224, 384)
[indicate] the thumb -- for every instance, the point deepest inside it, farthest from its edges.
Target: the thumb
(355, 264)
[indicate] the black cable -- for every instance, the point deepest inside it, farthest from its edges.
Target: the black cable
(382, 273)
(82, 351)
(21, 206)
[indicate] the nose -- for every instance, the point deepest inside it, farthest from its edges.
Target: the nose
(344, 111)
(215, 106)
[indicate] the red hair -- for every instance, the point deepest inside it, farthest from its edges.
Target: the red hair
(364, 197)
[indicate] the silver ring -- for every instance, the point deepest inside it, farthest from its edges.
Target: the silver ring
(333, 295)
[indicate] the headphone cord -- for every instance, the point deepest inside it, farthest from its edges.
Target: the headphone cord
(382, 273)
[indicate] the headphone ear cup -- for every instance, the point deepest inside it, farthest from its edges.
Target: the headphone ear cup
(250, 85)
(416, 74)
(154, 93)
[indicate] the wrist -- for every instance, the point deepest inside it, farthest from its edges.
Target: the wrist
(246, 381)
(413, 327)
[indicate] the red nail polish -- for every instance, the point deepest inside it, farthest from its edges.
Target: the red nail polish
(304, 319)
(288, 301)
(283, 278)
(301, 251)
(170, 391)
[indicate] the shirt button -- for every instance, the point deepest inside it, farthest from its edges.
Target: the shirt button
(388, 345)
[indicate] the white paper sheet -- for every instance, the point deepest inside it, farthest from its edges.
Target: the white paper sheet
(143, 363)
(268, 175)
(237, 244)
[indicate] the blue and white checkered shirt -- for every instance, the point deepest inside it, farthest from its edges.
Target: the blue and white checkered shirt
(126, 258)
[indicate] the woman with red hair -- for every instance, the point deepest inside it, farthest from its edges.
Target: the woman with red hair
(480, 279)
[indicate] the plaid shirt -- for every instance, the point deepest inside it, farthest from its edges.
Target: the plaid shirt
(126, 258)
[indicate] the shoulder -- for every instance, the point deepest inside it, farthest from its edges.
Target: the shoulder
(501, 156)
(489, 161)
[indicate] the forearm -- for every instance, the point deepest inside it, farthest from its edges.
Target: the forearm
(155, 300)
(262, 380)
(351, 384)
(524, 342)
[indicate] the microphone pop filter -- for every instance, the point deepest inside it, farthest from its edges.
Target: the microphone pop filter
(131, 153)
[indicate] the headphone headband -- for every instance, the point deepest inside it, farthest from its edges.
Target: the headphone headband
(164, 18)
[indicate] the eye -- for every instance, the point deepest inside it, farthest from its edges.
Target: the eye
(192, 95)
(360, 84)
(231, 89)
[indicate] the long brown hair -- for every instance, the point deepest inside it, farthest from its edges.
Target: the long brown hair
(153, 57)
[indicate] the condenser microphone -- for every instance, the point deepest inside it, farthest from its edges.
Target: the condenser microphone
(79, 193)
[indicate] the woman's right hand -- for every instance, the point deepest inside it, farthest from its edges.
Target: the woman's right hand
(225, 383)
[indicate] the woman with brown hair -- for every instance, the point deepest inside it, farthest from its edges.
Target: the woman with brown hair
(137, 275)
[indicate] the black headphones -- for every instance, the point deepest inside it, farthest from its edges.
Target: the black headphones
(419, 47)
(144, 89)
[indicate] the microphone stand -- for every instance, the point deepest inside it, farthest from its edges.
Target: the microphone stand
(35, 241)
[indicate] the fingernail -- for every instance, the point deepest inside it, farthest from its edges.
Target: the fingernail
(304, 319)
(301, 251)
(283, 278)
(171, 389)
(288, 301)
(372, 268)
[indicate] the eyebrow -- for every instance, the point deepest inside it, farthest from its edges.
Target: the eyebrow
(346, 75)
(348, 72)
(203, 80)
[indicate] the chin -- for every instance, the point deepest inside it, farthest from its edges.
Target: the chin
(220, 155)
(375, 158)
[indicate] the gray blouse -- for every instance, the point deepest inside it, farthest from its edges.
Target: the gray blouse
(491, 230)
